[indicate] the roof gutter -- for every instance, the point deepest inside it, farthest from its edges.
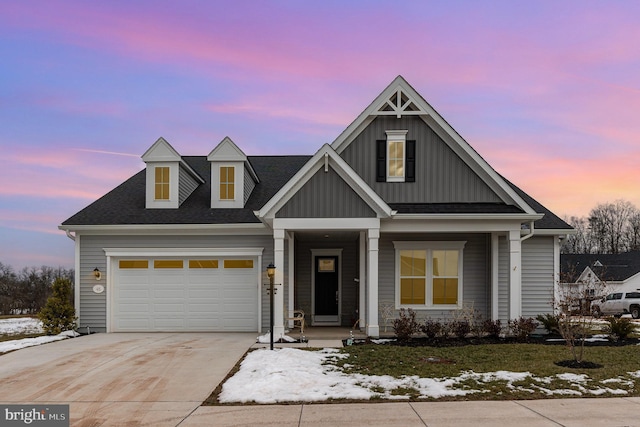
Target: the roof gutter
(531, 232)
(69, 235)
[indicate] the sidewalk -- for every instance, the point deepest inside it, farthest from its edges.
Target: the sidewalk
(578, 412)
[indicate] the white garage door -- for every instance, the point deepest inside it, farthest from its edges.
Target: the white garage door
(185, 294)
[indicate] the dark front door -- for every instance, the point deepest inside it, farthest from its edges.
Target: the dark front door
(327, 290)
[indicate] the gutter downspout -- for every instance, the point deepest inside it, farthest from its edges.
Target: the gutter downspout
(531, 232)
(69, 235)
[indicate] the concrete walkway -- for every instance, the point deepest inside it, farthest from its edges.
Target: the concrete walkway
(577, 412)
(161, 379)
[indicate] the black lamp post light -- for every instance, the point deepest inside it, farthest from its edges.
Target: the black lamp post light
(271, 291)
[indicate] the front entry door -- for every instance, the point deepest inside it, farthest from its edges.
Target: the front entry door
(327, 290)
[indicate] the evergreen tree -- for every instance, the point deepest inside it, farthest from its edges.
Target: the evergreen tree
(58, 314)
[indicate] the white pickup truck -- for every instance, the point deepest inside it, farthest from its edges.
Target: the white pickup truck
(617, 304)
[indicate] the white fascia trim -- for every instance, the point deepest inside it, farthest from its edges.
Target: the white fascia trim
(184, 252)
(169, 229)
(554, 231)
(326, 223)
(443, 129)
(341, 167)
(507, 217)
(449, 225)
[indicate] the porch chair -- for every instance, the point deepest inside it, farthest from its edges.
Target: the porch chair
(388, 313)
(298, 316)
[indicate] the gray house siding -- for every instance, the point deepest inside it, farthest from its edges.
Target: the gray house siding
(326, 195)
(186, 186)
(304, 270)
(537, 276)
(441, 176)
(476, 268)
(503, 280)
(249, 185)
(93, 307)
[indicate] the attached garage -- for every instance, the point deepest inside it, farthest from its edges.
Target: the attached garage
(185, 293)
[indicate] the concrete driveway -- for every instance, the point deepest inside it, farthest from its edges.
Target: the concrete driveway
(123, 379)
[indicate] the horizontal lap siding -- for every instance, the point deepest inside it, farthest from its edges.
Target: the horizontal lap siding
(93, 307)
(304, 270)
(187, 185)
(441, 175)
(249, 185)
(476, 284)
(503, 280)
(537, 275)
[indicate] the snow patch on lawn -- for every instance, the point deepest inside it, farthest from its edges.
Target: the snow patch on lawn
(294, 375)
(266, 338)
(20, 325)
(12, 345)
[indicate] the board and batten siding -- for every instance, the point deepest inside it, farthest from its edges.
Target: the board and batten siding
(93, 307)
(537, 276)
(187, 184)
(475, 270)
(326, 195)
(441, 175)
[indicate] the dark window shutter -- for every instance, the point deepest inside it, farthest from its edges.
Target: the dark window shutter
(381, 160)
(410, 171)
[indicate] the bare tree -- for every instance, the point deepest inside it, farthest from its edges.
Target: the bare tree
(582, 241)
(633, 232)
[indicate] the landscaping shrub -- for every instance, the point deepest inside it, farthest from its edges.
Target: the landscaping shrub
(406, 325)
(522, 327)
(619, 328)
(58, 314)
(492, 327)
(551, 322)
(431, 328)
(445, 329)
(460, 328)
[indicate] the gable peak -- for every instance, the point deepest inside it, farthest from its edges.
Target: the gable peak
(161, 151)
(227, 150)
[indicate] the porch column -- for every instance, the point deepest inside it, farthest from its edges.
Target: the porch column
(362, 276)
(278, 301)
(495, 283)
(515, 275)
(290, 278)
(373, 329)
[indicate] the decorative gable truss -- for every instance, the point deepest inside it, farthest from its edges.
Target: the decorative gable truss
(169, 180)
(232, 177)
(400, 99)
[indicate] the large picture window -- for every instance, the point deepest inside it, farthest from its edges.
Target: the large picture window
(429, 274)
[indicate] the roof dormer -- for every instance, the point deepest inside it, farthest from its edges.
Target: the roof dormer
(169, 180)
(232, 177)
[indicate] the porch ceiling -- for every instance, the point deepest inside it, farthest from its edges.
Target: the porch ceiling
(328, 235)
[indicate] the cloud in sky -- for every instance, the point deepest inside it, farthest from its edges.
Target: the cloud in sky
(547, 92)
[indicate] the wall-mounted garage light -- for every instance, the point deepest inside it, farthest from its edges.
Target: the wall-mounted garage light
(97, 274)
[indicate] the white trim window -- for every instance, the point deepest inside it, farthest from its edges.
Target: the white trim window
(396, 149)
(429, 274)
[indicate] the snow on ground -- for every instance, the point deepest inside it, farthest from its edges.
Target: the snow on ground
(20, 325)
(27, 325)
(266, 338)
(293, 375)
(6, 346)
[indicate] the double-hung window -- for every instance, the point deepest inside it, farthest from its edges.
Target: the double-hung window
(396, 141)
(162, 183)
(429, 274)
(227, 183)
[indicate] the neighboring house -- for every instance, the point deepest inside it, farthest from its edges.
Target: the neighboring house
(596, 275)
(398, 209)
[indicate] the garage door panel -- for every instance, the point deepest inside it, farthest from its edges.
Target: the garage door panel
(187, 299)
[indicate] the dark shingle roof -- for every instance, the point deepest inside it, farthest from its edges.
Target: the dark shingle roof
(614, 267)
(126, 203)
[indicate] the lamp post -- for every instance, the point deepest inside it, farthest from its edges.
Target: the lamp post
(271, 290)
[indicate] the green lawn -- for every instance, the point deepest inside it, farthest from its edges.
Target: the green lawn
(620, 367)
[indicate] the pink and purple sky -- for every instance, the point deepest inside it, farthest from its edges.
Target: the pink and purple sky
(547, 92)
